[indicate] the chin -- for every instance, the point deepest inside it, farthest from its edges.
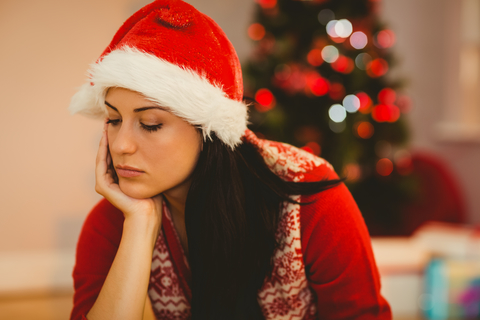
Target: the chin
(137, 191)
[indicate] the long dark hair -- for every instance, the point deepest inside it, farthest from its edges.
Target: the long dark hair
(231, 215)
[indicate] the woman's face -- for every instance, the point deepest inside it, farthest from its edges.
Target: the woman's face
(153, 151)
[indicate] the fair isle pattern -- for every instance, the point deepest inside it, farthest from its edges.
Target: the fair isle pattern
(166, 294)
(285, 294)
(285, 160)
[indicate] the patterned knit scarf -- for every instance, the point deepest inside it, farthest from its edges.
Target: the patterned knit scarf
(285, 293)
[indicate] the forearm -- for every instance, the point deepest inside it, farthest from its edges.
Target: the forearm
(125, 288)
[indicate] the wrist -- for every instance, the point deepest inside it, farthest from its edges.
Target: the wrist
(142, 227)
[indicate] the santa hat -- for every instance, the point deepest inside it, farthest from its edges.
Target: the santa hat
(178, 58)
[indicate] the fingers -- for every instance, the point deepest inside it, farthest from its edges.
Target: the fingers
(101, 160)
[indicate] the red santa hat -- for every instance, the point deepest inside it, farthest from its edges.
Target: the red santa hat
(178, 58)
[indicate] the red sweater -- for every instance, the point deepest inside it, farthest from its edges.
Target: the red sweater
(336, 248)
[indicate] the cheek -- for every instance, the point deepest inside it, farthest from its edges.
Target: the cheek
(175, 161)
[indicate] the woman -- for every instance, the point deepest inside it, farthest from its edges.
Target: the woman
(208, 220)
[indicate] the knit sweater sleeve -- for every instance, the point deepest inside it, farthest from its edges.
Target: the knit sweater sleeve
(338, 258)
(96, 250)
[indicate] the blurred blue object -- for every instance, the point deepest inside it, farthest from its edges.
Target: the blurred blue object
(436, 291)
(452, 289)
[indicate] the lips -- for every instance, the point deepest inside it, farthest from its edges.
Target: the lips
(128, 172)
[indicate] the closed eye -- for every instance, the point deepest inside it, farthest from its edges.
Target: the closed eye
(151, 128)
(113, 122)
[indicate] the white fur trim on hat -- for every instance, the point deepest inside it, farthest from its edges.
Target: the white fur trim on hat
(187, 94)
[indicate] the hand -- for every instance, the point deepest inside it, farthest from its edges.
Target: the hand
(105, 184)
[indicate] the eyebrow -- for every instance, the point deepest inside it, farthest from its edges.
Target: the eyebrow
(138, 109)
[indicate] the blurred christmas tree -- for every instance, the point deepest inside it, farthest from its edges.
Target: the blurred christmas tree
(319, 74)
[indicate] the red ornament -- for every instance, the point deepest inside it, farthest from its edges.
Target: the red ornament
(387, 96)
(343, 64)
(377, 68)
(316, 83)
(385, 113)
(267, 4)
(365, 102)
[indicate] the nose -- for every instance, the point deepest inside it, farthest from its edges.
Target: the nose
(123, 140)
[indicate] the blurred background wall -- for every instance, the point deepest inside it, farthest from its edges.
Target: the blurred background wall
(47, 155)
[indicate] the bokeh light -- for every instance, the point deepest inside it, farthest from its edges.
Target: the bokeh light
(385, 113)
(385, 39)
(377, 68)
(364, 129)
(387, 96)
(314, 57)
(339, 28)
(267, 4)
(343, 64)
(352, 172)
(362, 60)
(343, 28)
(330, 54)
(319, 86)
(337, 127)
(351, 103)
(365, 102)
(256, 31)
(384, 167)
(337, 113)
(325, 16)
(381, 113)
(331, 29)
(266, 100)
(358, 40)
